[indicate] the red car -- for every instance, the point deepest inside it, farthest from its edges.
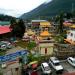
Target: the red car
(34, 73)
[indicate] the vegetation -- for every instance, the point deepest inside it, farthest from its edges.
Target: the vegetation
(18, 28)
(38, 58)
(5, 17)
(2, 52)
(59, 20)
(31, 45)
(22, 44)
(31, 58)
(1, 73)
(28, 45)
(59, 39)
(61, 32)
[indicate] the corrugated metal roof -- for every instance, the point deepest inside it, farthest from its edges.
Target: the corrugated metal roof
(4, 29)
(38, 20)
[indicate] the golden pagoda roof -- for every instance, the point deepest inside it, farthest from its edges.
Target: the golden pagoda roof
(30, 32)
(73, 26)
(45, 33)
(45, 24)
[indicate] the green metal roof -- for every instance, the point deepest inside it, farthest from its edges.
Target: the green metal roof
(4, 23)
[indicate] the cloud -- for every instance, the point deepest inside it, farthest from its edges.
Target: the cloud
(17, 7)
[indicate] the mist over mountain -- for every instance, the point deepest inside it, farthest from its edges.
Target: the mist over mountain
(4, 16)
(50, 8)
(10, 12)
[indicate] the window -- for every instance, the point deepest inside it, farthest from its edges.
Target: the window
(71, 34)
(47, 68)
(56, 64)
(74, 61)
(70, 60)
(45, 50)
(51, 60)
(42, 66)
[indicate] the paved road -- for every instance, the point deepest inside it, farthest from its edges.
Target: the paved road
(69, 68)
(14, 49)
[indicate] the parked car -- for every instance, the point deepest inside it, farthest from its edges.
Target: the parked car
(8, 44)
(33, 65)
(45, 68)
(2, 46)
(71, 60)
(55, 63)
(34, 73)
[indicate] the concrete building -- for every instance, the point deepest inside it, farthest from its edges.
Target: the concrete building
(71, 35)
(45, 47)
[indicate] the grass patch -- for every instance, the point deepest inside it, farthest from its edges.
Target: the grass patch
(31, 45)
(2, 53)
(22, 44)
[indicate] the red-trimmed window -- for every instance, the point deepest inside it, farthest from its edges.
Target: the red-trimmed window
(45, 50)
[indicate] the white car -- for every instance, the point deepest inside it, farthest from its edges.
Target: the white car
(2, 46)
(8, 44)
(55, 63)
(71, 60)
(45, 68)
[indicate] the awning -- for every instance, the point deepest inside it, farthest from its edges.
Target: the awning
(33, 62)
(69, 41)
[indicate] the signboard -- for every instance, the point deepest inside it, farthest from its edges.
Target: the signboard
(13, 56)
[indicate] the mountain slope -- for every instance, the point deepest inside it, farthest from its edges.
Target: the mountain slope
(50, 9)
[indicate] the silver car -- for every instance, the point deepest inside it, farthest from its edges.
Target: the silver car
(45, 68)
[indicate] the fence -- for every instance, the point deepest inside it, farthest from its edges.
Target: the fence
(64, 50)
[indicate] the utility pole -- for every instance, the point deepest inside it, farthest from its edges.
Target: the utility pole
(72, 8)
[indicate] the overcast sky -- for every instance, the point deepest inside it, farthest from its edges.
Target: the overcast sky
(18, 7)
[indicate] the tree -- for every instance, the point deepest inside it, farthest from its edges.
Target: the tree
(13, 21)
(5, 17)
(68, 15)
(31, 45)
(21, 28)
(59, 20)
(18, 28)
(61, 23)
